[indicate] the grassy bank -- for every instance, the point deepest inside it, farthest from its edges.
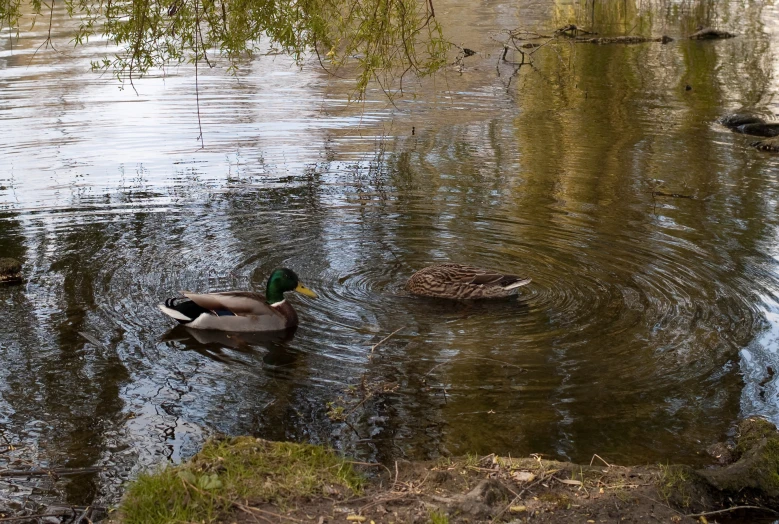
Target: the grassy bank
(251, 480)
(238, 475)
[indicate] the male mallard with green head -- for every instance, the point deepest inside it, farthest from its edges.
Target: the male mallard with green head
(240, 310)
(461, 282)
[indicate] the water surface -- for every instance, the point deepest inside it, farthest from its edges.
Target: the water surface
(649, 328)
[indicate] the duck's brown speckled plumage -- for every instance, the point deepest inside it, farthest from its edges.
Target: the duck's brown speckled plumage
(462, 282)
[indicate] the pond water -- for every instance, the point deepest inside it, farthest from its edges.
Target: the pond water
(650, 327)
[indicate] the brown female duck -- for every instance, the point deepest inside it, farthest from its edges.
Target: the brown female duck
(460, 282)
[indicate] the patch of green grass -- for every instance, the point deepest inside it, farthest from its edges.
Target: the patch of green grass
(439, 517)
(238, 469)
(673, 484)
(471, 460)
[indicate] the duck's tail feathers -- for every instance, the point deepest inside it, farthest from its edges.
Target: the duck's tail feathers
(172, 313)
(183, 309)
(518, 283)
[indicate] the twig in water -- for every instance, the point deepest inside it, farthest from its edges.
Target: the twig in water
(472, 358)
(61, 472)
(672, 195)
(25, 517)
(386, 339)
(94, 341)
(84, 516)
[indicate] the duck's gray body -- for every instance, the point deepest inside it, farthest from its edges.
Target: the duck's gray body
(241, 311)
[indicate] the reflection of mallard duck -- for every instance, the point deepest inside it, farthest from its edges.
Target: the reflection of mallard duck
(463, 282)
(235, 348)
(240, 310)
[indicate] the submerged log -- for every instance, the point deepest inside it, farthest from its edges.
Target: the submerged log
(10, 270)
(623, 39)
(756, 469)
(759, 129)
(707, 33)
(769, 144)
(734, 120)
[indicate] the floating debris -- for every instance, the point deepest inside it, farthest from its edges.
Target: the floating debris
(707, 33)
(10, 271)
(769, 144)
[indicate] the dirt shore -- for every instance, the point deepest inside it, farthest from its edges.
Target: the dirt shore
(246, 480)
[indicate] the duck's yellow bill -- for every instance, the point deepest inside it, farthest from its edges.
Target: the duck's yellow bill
(305, 291)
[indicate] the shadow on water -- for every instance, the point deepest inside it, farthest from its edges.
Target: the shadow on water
(649, 327)
(220, 346)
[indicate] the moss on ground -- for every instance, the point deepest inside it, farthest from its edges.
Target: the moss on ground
(751, 432)
(229, 474)
(10, 270)
(674, 485)
(757, 467)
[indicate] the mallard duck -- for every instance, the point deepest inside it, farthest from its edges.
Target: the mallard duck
(244, 311)
(463, 282)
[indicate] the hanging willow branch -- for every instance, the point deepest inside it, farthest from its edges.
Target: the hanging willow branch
(383, 39)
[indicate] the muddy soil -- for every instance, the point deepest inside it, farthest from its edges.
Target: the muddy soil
(494, 489)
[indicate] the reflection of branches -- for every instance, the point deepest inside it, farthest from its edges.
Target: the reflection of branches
(197, 59)
(47, 42)
(48, 34)
(528, 43)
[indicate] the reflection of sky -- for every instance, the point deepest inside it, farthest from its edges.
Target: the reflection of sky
(760, 367)
(760, 360)
(67, 131)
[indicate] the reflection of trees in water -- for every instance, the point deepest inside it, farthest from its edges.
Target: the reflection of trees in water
(590, 148)
(647, 16)
(56, 377)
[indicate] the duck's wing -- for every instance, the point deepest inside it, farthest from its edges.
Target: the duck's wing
(462, 274)
(236, 302)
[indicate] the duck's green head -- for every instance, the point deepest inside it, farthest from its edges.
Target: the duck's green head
(281, 281)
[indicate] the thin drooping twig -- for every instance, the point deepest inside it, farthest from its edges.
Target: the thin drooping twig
(51, 18)
(197, 86)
